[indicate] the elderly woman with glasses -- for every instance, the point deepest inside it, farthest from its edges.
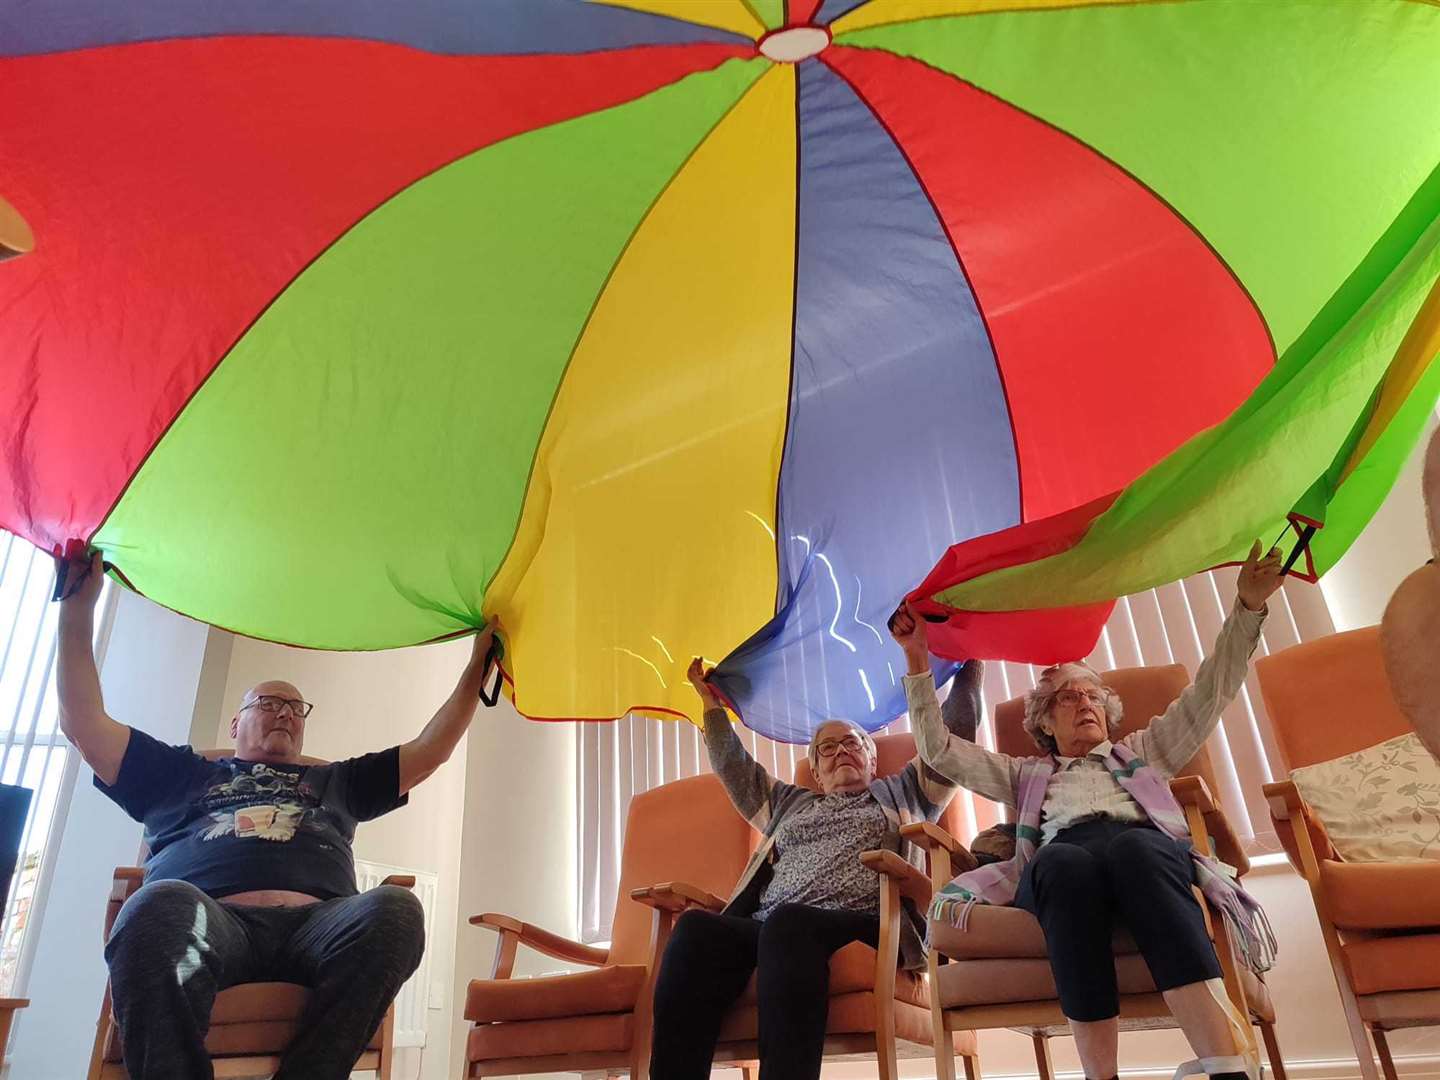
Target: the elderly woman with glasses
(1100, 839)
(803, 895)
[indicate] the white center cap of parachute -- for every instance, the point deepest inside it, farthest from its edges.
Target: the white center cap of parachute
(796, 44)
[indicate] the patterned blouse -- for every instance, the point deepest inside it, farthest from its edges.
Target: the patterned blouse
(818, 856)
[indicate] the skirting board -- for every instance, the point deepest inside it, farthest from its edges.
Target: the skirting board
(1415, 1067)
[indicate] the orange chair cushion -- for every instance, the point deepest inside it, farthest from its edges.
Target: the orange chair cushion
(609, 989)
(252, 1018)
(850, 1014)
(1394, 962)
(1315, 691)
(995, 932)
(1002, 981)
(1382, 896)
(852, 969)
(999, 981)
(660, 845)
(260, 1001)
(537, 1038)
(253, 1039)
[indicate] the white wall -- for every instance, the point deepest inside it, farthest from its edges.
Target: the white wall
(150, 677)
(366, 702)
(519, 844)
(1392, 545)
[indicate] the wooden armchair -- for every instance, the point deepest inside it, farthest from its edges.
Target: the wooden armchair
(996, 974)
(876, 1009)
(251, 1024)
(600, 1019)
(1380, 921)
(685, 846)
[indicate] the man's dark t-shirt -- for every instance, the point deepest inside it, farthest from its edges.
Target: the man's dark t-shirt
(230, 826)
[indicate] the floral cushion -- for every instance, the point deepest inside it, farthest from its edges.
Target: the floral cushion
(1380, 804)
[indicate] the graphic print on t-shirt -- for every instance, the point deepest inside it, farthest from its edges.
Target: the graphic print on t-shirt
(263, 803)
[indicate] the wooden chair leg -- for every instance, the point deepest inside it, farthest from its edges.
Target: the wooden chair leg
(1382, 1047)
(387, 1046)
(1359, 1036)
(1043, 1064)
(750, 1070)
(941, 1039)
(1272, 1051)
(102, 1034)
(887, 956)
(1234, 986)
(972, 1066)
(642, 1029)
(886, 1058)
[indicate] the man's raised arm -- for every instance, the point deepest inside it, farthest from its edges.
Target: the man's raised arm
(100, 739)
(425, 753)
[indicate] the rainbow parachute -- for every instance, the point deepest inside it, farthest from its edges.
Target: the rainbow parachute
(707, 327)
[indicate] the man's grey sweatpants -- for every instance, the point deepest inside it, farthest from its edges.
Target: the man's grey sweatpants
(173, 948)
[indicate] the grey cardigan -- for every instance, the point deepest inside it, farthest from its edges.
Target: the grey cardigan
(915, 793)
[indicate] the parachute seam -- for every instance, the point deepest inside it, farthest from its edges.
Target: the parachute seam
(594, 306)
(964, 272)
(325, 250)
(1092, 148)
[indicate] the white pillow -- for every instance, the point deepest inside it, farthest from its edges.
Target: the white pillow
(1380, 804)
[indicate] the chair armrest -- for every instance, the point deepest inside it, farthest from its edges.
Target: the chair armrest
(914, 885)
(1192, 791)
(1285, 800)
(404, 881)
(127, 880)
(677, 896)
(125, 884)
(542, 941)
(931, 837)
(928, 835)
(1288, 805)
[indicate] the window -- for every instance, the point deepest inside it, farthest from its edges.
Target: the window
(1174, 623)
(33, 753)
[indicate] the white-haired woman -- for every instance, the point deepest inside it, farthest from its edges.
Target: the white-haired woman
(1101, 841)
(803, 895)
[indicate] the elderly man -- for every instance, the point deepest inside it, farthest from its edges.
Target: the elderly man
(1101, 839)
(250, 876)
(803, 895)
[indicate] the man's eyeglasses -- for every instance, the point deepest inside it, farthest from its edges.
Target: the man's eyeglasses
(1072, 698)
(830, 747)
(271, 704)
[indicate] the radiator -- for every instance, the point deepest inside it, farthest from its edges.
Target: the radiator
(412, 1003)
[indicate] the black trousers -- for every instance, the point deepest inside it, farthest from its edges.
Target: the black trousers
(173, 948)
(708, 962)
(1098, 873)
